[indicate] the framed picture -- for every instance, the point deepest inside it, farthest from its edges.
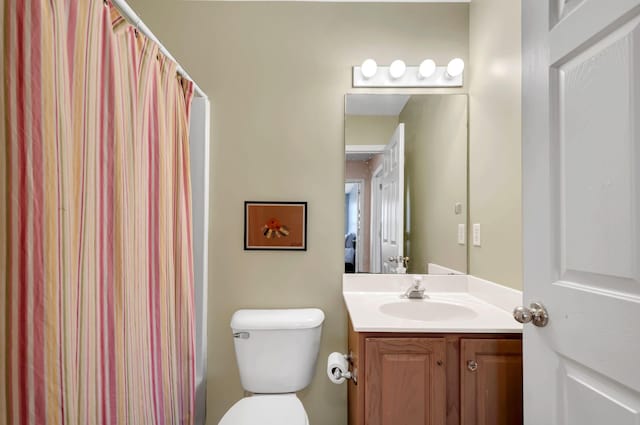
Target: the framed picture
(275, 226)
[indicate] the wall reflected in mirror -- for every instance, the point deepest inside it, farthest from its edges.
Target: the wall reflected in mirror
(406, 183)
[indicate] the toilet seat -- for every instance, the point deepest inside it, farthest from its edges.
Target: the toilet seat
(267, 409)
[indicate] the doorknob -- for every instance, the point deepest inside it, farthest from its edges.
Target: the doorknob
(399, 259)
(535, 313)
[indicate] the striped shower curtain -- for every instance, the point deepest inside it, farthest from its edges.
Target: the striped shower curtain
(96, 293)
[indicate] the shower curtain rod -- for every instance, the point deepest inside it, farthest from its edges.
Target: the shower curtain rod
(135, 20)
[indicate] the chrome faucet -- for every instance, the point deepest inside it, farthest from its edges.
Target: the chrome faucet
(415, 291)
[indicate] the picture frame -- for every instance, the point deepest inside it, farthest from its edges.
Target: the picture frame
(275, 226)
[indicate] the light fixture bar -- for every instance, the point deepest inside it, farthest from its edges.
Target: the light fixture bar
(411, 78)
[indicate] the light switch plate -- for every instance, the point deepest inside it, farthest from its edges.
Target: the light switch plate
(457, 209)
(476, 234)
(462, 234)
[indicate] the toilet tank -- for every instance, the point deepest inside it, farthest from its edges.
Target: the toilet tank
(277, 350)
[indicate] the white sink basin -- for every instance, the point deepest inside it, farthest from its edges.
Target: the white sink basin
(427, 310)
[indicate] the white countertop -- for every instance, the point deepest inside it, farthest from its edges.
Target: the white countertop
(491, 304)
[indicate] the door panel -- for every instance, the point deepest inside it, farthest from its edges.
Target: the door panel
(589, 21)
(596, 223)
(491, 392)
(596, 399)
(594, 156)
(581, 194)
(562, 8)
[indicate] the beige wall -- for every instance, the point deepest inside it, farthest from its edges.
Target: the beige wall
(277, 74)
(495, 140)
(435, 180)
(369, 129)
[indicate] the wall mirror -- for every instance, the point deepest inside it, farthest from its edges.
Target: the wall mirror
(406, 183)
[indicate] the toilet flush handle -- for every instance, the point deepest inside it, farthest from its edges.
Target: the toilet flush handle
(241, 335)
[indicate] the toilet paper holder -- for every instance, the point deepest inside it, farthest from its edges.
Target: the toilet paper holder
(346, 375)
(337, 373)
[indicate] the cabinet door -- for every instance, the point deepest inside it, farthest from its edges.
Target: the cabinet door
(405, 381)
(491, 381)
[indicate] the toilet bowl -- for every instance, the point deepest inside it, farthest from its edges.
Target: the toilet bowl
(276, 352)
(267, 409)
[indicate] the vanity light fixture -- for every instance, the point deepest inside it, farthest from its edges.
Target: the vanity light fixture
(426, 69)
(397, 69)
(369, 68)
(398, 74)
(455, 68)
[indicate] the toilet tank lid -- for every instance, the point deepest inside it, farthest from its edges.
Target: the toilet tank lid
(294, 318)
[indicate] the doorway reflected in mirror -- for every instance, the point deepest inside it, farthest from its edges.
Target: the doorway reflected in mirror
(353, 190)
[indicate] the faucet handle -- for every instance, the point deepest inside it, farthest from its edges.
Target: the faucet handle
(415, 291)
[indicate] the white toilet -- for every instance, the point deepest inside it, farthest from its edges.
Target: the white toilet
(276, 352)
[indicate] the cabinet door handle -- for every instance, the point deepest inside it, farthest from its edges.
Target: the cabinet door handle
(472, 365)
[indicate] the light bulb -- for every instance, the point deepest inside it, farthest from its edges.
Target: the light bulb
(455, 67)
(397, 69)
(369, 68)
(427, 68)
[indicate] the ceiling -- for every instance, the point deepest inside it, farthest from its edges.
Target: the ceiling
(376, 104)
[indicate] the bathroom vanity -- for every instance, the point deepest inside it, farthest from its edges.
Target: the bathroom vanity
(454, 358)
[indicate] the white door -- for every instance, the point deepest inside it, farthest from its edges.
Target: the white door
(581, 203)
(376, 226)
(392, 215)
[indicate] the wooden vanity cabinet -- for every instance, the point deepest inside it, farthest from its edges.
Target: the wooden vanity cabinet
(431, 379)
